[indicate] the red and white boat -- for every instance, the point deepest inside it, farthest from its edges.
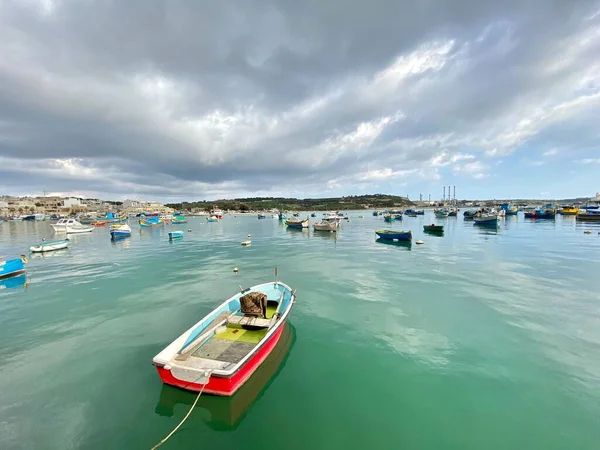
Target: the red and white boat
(217, 213)
(222, 351)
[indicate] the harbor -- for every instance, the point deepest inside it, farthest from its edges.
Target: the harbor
(471, 320)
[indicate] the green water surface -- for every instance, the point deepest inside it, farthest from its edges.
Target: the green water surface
(478, 339)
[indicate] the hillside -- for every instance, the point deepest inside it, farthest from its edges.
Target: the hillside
(294, 204)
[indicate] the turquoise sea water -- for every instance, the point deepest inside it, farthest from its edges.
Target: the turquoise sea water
(480, 339)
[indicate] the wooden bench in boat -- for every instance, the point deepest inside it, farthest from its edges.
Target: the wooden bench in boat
(248, 320)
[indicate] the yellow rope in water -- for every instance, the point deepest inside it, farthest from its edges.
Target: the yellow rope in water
(185, 418)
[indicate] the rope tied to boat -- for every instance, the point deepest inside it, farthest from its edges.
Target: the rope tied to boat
(206, 374)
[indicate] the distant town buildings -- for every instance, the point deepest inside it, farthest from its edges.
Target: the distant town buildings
(13, 206)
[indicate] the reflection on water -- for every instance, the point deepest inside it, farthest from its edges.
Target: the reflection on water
(226, 413)
(53, 254)
(406, 245)
(434, 233)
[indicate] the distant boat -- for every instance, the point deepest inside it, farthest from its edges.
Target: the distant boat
(61, 225)
(469, 215)
(175, 234)
(151, 222)
(434, 228)
(262, 216)
(569, 211)
(589, 215)
(221, 352)
(120, 231)
(541, 213)
(389, 218)
(486, 219)
(313, 214)
(48, 246)
(29, 218)
(212, 219)
(12, 267)
(453, 213)
(177, 219)
(394, 235)
(325, 226)
(331, 217)
(441, 213)
(217, 213)
(508, 209)
(294, 222)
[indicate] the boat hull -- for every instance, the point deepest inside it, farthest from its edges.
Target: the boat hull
(589, 217)
(49, 246)
(326, 226)
(225, 386)
(175, 234)
(403, 236)
(77, 230)
(297, 224)
(12, 267)
(490, 222)
(119, 234)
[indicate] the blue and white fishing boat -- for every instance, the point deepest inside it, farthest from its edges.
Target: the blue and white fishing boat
(293, 222)
(441, 213)
(220, 353)
(490, 219)
(389, 218)
(395, 235)
(212, 219)
(120, 231)
(178, 234)
(12, 267)
(49, 246)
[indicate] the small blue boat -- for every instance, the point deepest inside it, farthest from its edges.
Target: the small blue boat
(175, 235)
(389, 218)
(262, 216)
(394, 235)
(120, 231)
(12, 267)
(14, 282)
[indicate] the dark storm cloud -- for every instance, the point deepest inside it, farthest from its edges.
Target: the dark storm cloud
(209, 98)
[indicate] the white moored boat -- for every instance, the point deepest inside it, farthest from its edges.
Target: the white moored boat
(326, 226)
(48, 246)
(61, 225)
(74, 229)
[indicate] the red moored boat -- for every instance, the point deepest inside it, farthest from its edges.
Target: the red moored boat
(222, 351)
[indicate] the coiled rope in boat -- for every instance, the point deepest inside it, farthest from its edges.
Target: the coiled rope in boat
(166, 438)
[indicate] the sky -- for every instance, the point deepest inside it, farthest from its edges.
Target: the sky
(176, 100)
